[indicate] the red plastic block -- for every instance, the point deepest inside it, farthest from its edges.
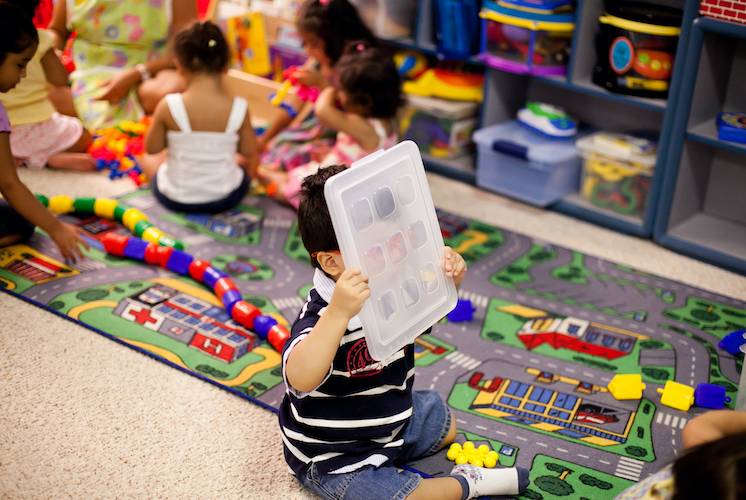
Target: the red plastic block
(197, 269)
(277, 336)
(151, 254)
(244, 313)
(114, 243)
(223, 285)
(164, 253)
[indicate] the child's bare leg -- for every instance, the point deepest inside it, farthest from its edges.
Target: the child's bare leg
(82, 145)
(72, 161)
(275, 182)
(438, 488)
(10, 239)
(150, 164)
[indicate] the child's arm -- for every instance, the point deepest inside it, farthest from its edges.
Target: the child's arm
(54, 71)
(26, 204)
(155, 138)
(341, 121)
(311, 358)
(455, 265)
(247, 147)
(712, 426)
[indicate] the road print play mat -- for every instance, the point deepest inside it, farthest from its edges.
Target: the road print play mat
(527, 375)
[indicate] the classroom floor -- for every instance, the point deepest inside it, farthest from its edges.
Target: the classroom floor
(84, 417)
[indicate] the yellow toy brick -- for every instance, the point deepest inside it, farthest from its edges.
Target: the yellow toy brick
(152, 235)
(677, 395)
(132, 217)
(104, 207)
(61, 204)
(626, 386)
(479, 457)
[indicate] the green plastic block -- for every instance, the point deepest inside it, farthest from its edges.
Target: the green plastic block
(84, 204)
(141, 226)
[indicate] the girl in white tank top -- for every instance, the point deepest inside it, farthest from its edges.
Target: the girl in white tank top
(203, 129)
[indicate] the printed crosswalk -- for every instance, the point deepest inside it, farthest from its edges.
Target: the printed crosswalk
(476, 300)
(289, 303)
(196, 239)
(460, 359)
(670, 420)
(281, 223)
(629, 468)
(90, 265)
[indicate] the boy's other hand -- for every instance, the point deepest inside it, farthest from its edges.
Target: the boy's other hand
(68, 240)
(455, 265)
(350, 293)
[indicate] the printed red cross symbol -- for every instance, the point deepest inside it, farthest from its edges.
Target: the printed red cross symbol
(142, 316)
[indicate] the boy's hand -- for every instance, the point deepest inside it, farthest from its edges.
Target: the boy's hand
(67, 239)
(349, 294)
(455, 265)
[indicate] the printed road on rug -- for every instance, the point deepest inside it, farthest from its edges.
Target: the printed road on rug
(527, 375)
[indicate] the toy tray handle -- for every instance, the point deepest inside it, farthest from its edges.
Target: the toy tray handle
(510, 148)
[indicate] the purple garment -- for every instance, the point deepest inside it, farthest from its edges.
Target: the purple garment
(4, 120)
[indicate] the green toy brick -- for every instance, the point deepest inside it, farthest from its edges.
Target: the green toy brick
(141, 226)
(42, 199)
(84, 204)
(119, 212)
(165, 241)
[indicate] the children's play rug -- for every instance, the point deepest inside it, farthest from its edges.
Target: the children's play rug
(527, 375)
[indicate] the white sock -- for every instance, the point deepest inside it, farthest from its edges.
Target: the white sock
(504, 481)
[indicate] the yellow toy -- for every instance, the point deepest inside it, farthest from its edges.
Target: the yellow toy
(479, 457)
(677, 395)
(448, 85)
(626, 386)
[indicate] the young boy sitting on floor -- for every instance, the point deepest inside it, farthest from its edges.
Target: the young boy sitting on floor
(346, 419)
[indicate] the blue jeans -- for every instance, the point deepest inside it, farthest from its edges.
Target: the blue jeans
(213, 207)
(424, 434)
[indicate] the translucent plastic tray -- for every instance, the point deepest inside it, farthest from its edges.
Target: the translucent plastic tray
(385, 222)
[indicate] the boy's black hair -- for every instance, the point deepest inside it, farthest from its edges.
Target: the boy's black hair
(202, 48)
(17, 31)
(314, 222)
(370, 79)
(714, 470)
(27, 6)
(336, 22)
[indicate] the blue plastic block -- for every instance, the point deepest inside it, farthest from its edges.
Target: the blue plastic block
(462, 312)
(211, 276)
(733, 342)
(262, 325)
(179, 262)
(135, 248)
(230, 297)
(710, 396)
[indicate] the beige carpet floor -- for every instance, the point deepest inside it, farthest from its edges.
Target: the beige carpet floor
(84, 417)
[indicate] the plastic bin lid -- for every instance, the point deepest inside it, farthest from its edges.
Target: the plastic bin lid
(620, 147)
(538, 148)
(384, 219)
(647, 13)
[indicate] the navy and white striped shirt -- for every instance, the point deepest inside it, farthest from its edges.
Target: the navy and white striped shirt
(357, 415)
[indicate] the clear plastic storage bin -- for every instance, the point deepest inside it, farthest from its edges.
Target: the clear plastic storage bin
(440, 127)
(517, 162)
(388, 18)
(617, 171)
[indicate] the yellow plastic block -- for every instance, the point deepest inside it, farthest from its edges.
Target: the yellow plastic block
(626, 386)
(479, 457)
(61, 204)
(677, 395)
(104, 207)
(132, 217)
(152, 235)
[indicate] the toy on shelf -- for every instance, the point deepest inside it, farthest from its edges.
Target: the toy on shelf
(303, 92)
(635, 48)
(733, 341)
(626, 387)
(710, 396)
(448, 84)
(129, 217)
(617, 171)
(469, 454)
(118, 148)
(463, 311)
(457, 28)
(245, 34)
(410, 64)
(522, 41)
(180, 262)
(538, 6)
(677, 395)
(440, 127)
(548, 120)
(732, 127)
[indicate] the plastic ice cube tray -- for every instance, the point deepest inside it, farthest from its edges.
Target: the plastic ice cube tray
(385, 222)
